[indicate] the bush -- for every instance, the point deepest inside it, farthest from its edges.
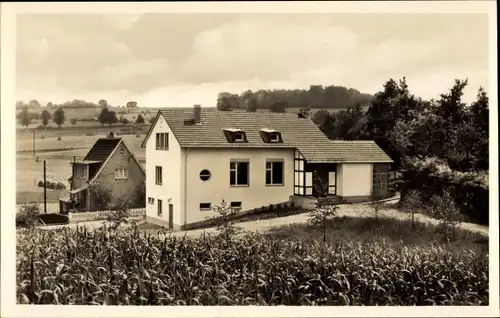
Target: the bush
(40, 184)
(42, 137)
(60, 186)
(89, 134)
(59, 138)
(40, 127)
(54, 218)
(137, 135)
(48, 127)
(469, 191)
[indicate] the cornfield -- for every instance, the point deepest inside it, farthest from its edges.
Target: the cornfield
(102, 267)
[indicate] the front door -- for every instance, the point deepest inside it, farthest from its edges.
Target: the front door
(320, 183)
(170, 216)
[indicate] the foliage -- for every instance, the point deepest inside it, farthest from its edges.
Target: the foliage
(431, 177)
(28, 215)
(83, 267)
(103, 103)
(58, 117)
(317, 97)
(278, 107)
(132, 104)
(101, 196)
(322, 215)
(73, 121)
(45, 116)
(344, 125)
(224, 220)
(140, 119)
(25, 116)
(444, 209)
(107, 117)
(123, 120)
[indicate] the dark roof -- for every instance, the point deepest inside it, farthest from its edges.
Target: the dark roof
(297, 133)
(102, 148)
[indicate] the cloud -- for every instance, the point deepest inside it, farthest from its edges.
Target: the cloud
(168, 59)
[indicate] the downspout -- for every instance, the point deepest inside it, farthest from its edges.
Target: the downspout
(185, 187)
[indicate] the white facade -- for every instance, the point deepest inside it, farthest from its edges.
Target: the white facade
(354, 179)
(257, 194)
(170, 161)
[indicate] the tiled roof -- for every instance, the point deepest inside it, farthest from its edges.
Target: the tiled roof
(102, 148)
(297, 133)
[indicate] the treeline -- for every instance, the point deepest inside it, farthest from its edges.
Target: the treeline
(408, 127)
(76, 103)
(316, 97)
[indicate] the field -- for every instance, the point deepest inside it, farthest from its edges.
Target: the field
(364, 261)
(29, 172)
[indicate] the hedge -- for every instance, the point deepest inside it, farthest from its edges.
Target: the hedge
(49, 218)
(470, 191)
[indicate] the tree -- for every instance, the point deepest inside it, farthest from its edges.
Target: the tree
(252, 105)
(100, 196)
(131, 104)
(34, 104)
(58, 117)
(24, 117)
(103, 103)
(324, 211)
(223, 102)
(140, 119)
(103, 116)
(73, 121)
(49, 105)
(279, 107)
(19, 105)
(111, 118)
(45, 116)
(480, 118)
(224, 220)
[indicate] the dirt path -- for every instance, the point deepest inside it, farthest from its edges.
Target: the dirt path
(351, 210)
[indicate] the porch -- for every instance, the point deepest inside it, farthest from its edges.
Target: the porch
(78, 201)
(337, 181)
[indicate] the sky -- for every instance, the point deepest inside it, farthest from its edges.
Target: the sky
(165, 60)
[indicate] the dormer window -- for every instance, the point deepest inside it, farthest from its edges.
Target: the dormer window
(235, 135)
(270, 135)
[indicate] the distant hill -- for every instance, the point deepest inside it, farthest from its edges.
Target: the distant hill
(316, 97)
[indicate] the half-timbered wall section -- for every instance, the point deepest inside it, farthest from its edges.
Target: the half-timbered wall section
(303, 180)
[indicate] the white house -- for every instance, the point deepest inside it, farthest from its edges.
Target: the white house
(195, 158)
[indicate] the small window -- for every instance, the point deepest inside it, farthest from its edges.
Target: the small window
(236, 205)
(205, 175)
(205, 206)
(151, 200)
(121, 174)
(162, 141)
(160, 207)
(239, 173)
(159, 175)
(239, 137)
(121, 151)
(274, 137)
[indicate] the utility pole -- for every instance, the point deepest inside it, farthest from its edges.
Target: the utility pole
(33, 141)
(45, 187)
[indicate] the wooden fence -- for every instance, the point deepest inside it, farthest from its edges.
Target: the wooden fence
(75, 217)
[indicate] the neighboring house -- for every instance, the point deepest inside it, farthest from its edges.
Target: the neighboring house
(109, 164)
(197, 158)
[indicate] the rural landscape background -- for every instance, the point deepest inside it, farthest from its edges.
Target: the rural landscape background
(400, 84)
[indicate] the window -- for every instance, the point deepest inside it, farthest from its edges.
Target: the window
(121, 174)
(205, 206)
(121, 151)
(236, 205)
(274, 137)
(151, 200)
(162, 141)
(159, 175)
(239, 137)
(238, 173)
(160, 207)
(205, 175)
(274, 173)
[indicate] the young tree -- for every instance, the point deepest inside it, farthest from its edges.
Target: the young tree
(45, 116)
(224, 220)
(24, 117)
(103, 103)
(103, 116)
(252, 105)
(444, 208)
(101, 196)
(223, 102)
(58, 117)
(140, 119)
(324, 211)
(111, 118)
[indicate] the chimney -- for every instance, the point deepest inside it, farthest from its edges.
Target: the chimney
(111, 135)
(197, 114)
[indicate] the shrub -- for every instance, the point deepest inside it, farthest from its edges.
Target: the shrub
(89, 134)
(137, 135)
(59, 138)
(54, 218)
(60, 186)
(469, 191)
(73, 121)
(48, 127)
(28, 216)
(42, 137)
(40, 127)
(40, 184)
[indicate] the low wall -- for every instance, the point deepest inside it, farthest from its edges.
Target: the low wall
(75, 217)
